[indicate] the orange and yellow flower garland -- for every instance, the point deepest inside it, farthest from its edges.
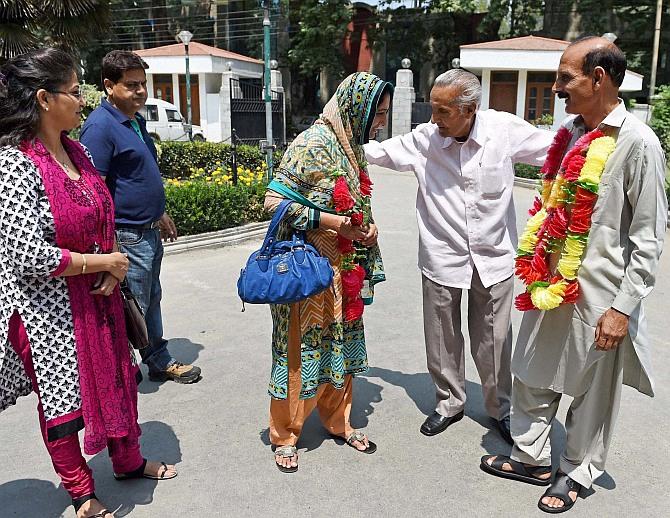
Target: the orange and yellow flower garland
(561, 220)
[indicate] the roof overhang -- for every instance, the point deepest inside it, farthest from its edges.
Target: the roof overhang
(199, 64)
(479, 59)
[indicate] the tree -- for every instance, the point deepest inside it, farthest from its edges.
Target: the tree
(632, 22)
(28, 24)
(320, 27)
(660, 117)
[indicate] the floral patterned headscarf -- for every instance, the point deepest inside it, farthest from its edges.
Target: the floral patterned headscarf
(352, 109)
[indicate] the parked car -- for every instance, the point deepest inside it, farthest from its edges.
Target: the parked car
(164, 122)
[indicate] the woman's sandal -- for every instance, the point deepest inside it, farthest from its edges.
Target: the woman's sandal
(520, 472)
(78, 502)
(139, 473)
(286, 452)
(560, 488)
(359, 436)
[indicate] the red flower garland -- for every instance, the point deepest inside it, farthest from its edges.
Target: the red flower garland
(366, 183)
(353, 310)
(352, 281)
(357, 219)
(352, 275)
(341, 195)
(561, 141)
(558, 221)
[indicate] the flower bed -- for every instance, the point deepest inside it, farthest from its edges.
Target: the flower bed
(205, 200)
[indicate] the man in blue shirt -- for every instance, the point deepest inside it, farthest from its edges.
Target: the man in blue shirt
(125, 155)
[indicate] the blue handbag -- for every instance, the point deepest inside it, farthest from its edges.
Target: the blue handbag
(283, 272)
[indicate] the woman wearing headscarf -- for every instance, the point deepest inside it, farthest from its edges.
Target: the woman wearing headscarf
(318, 344)
(62, 332)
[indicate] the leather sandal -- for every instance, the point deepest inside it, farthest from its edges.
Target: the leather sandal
(286, 452)
(359, 436)
(139, 473)
(78, 502)
(560, 488)
(520, 472)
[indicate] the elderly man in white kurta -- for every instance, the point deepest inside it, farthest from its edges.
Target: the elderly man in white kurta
(589, 347)
(464, 163)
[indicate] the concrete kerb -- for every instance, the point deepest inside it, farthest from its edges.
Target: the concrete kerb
(533, 184)
(226, 237)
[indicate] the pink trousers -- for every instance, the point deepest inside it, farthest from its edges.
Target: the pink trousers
(65, 453)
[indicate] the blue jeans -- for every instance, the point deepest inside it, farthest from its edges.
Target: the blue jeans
(145, 253)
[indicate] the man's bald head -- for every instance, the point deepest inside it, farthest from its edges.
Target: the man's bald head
(595, 51)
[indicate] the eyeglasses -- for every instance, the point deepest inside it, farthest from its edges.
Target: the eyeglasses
(77, 95)
(133, 86)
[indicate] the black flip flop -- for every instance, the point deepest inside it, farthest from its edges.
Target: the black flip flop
(520, 472)
(560, 488)
(139, 473)
(357, 436)
(286, 452)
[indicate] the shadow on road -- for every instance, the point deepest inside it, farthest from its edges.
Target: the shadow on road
(33, 497)
(183, 350)
(418, 386)
(159, 443)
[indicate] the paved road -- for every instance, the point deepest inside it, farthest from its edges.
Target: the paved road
(216, 431)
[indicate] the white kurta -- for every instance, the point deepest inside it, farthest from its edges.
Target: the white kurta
(464, 205)
(555, 349)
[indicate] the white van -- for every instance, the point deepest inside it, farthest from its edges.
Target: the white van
(164, 122)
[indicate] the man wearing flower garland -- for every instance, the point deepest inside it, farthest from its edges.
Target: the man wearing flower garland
(588, 257)
(463, 162)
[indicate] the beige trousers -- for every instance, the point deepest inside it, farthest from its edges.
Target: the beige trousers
(589, 424)
(490, 328)
(287, 416)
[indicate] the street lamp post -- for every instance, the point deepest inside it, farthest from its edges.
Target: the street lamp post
(185, 37)
(268, 93)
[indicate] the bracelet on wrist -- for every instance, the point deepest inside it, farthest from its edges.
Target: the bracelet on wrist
(83, 264)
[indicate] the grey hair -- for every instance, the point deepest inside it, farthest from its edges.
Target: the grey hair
(468, 84)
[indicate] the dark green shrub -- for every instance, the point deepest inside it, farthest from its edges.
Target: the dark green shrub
(198, 206)
(526, 171)
(660, 117)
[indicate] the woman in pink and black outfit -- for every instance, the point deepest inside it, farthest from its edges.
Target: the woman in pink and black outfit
(62, 330)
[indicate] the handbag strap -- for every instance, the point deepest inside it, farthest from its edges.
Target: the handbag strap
(279, 214)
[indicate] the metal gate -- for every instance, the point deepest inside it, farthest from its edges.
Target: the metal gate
(421, 112)
(247, 106)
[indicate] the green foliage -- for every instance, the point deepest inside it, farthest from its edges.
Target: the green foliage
(92, 98)
(526, 171)
(30, 24)
(322, 26)
(199, 206)
(178, 158)
(546, 119)
(632, 22)
(660, 117)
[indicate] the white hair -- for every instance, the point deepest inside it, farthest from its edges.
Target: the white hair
(468, 84)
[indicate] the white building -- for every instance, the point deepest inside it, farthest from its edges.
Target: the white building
(166, 79)
(517, 75)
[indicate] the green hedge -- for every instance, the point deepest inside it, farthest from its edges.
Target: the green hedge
(177, 159)
(526, 171)
(199, 206)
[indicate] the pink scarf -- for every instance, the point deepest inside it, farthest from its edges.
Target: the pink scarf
(83, 215)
